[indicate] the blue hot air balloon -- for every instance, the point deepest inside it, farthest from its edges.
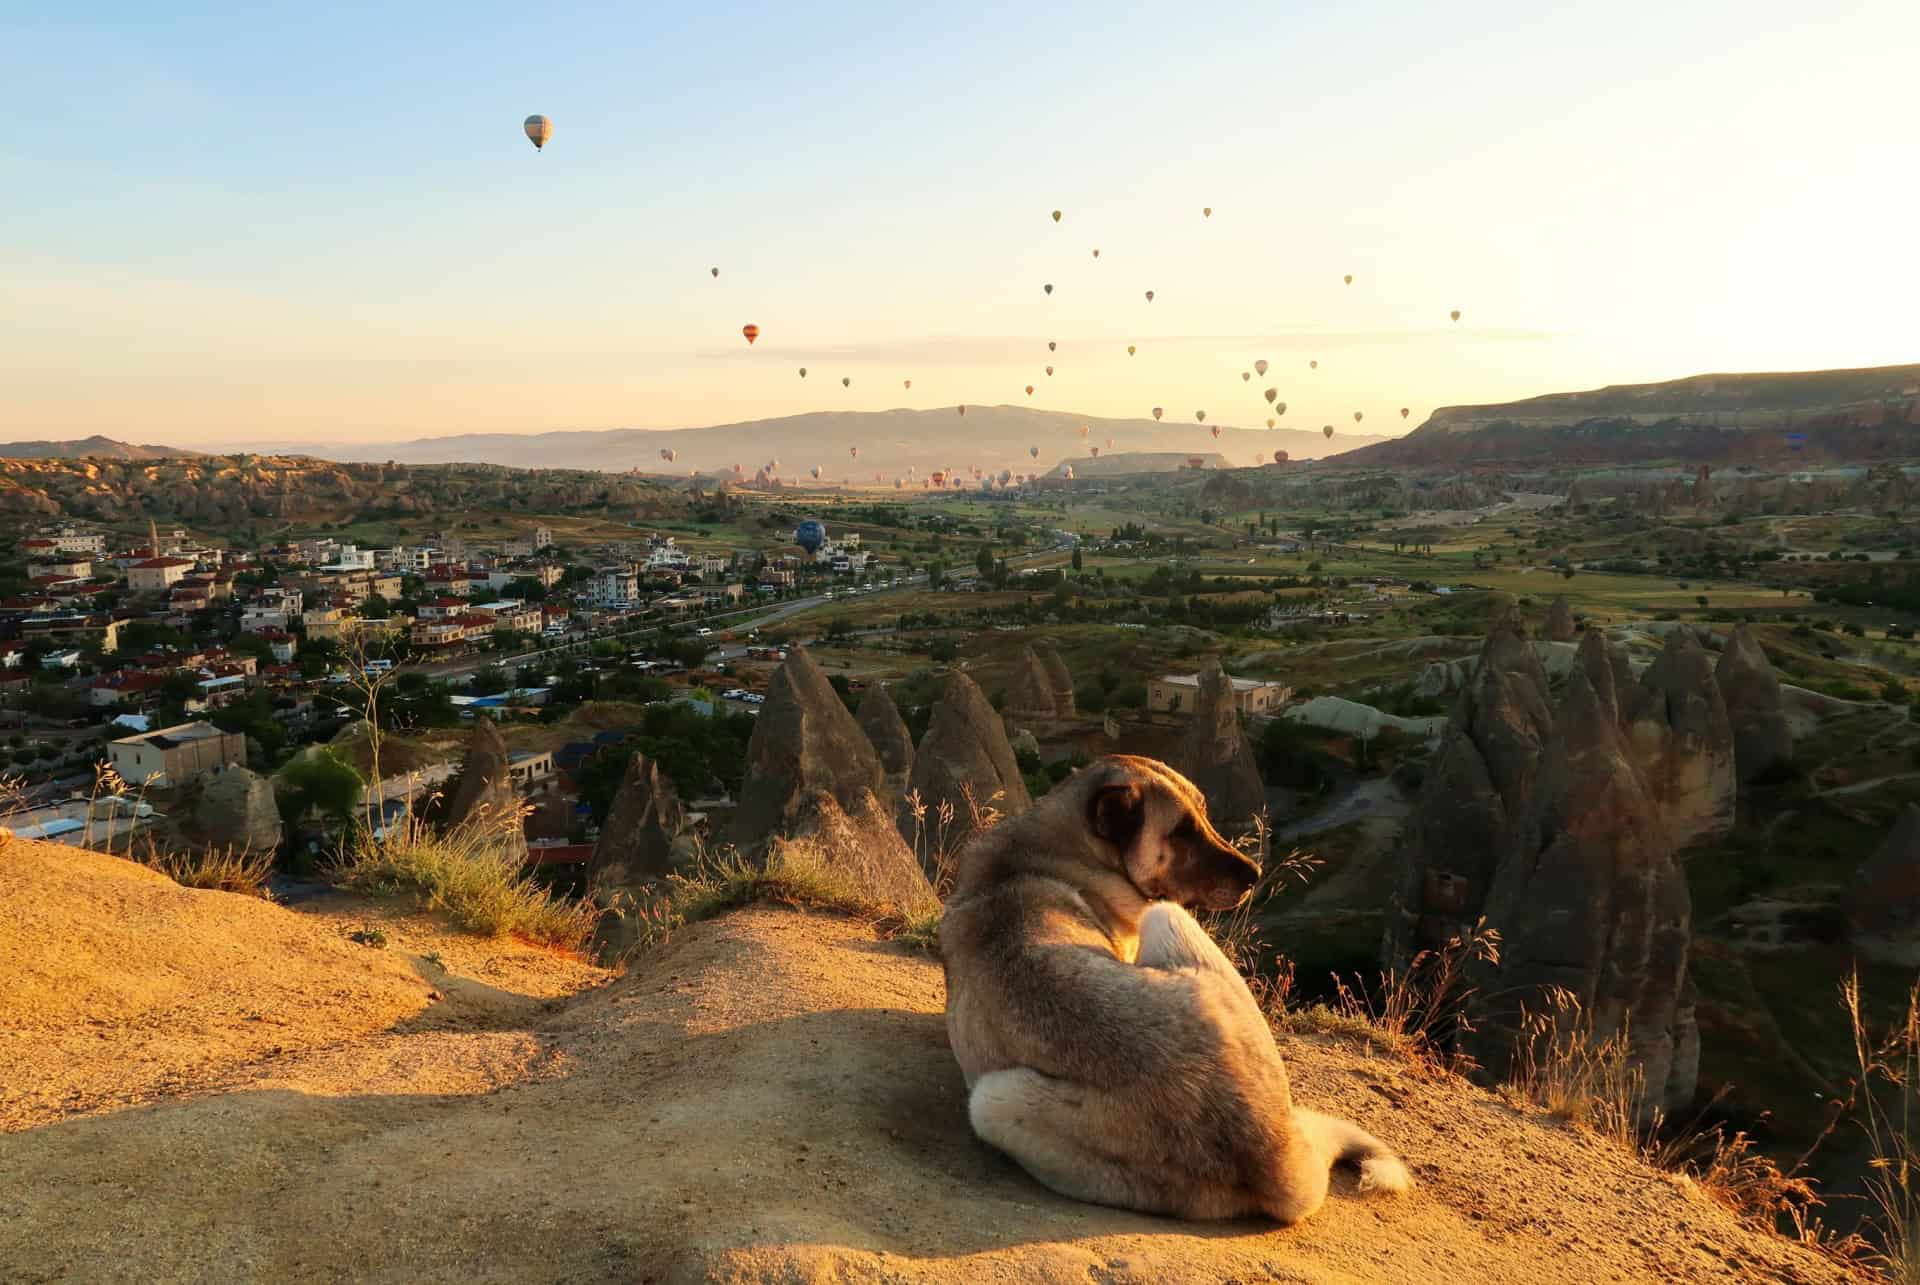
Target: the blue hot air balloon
(810, 535)
(1796, 441)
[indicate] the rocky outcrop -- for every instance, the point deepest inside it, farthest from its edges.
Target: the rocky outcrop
(484, 795)
(963, 768)
(862, 845)
(1679, 738)
(236, 809)
(1605, 670)
(1030, 694)
(887, 732)
(1762, 738)
(1883, 902)
(1214, 755)
(1590, 900)
(804, 741)
(1559, 626)
(1471, 797)
(1062, 680)
(636, 845)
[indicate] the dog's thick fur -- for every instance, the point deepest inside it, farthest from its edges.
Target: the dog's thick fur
(1108, 1046)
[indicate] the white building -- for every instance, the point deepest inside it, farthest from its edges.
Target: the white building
(613, 586)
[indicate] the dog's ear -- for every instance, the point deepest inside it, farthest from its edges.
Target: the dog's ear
(1116, 812)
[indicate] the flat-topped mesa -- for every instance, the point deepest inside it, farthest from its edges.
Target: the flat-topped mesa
(1062, 679)
(1471, 797)
(1030, 691)
(879, 718)
(1214, 754)
(1588, 898)
(963, 769)
(1762, 737)
(1680, 739)
(484, 796)
(1883, 901)
(805, 739)
(1559, 626)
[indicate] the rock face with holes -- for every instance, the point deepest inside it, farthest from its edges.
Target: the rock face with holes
(1756, 715)
(1215, 755)
(804, 740)
(1590, 900)
(1883, 902)
(887, 732)
(964, 766)
(1680, 739)
(484, 796)
(236, 809)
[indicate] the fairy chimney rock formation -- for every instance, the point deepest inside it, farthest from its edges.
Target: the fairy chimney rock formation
(1589, 899)
(1062, 681)
(1559, 624)
(804, 740)
(862, 844)
(1679, 736)
(636, 844)
(1030, 695)
(1883, 903)
(484, 796)
(237, 809)
(1214, 755)
(887, 732)
(1762, 738)
(964, 765)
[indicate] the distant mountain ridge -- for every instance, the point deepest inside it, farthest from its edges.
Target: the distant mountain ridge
(890, 442)
(95, 447)
(1825, 415)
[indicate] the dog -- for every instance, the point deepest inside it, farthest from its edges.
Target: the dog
(1109, 1047)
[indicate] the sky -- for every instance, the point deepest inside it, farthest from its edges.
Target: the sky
(222, 225)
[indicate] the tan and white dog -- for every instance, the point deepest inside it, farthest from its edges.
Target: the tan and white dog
(1108, 1045)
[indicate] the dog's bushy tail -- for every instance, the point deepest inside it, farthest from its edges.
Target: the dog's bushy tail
(1338, 1141)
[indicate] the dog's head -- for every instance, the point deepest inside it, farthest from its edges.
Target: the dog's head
(1156, 823)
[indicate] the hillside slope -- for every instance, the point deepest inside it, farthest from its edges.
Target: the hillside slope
(95, 447)
(1818, 415)
(767, 1098)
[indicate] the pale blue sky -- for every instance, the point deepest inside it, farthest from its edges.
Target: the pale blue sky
(326, 224)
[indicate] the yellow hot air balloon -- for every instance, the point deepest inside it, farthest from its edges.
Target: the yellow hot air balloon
(539, 130)
(751, 331)
(1328, 430)
(1356, 417)
(1156, 412)
(1405, 411)
(906, 383)
(1206, 211)
(1048, 287)
(1201, 416)
(1270, 394)
(1149, 296)
(1056, 216)
(846, 381)
(1084, 430)
(1349, 278)
(1260, 367)
(1130, 350)
(1456, 314)
(1029, 390)
(1313, 365)
(1271, 421)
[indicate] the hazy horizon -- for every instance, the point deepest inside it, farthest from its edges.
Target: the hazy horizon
(323, 229)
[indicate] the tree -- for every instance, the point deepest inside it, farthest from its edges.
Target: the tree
(984, 562)
(1077, 564)
(318, 781)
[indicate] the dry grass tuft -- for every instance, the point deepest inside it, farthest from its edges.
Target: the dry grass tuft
(220, 869)
(1560, 1065)
(1887, 1093)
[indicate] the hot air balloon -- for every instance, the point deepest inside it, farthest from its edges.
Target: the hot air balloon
(816, 470)
(1246, 376)
(1029, 390)
(961, 408)
(1084, 430)
(846, 381)
(773, 466)
(1067, 473)
(1271, 421)
(906, 383)
(539, 131)
(1456, 314)
(1048, 287)
(939, 477)
(1349, 278)
(1149, 296)
(1157, 412)
(1196, 461)
(1033, 452)
(1356, 417)
(1130, 350)
(810, 535)
(897, 483)
(1328, 430)
(714, 271)
(1096, 252)
(668, 454)
(751, 331)
(803, 372)
(1796, 441)
(1216, 432)
(1109, 443)
(1201, 416)
(1270, 394)
(1006, 476)
(1260, 367)
(1206, 211)
(736, 468)
(1056, 216)
(1279, 457)
(1094, 451)
(1279, 408)
(1051, 345)
(1313, 365)
(876, 477)
(1405, 411)
(853, 452)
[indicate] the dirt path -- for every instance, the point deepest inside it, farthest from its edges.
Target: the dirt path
(771, 1098)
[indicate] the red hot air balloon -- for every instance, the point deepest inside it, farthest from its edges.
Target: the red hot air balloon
(751, 331)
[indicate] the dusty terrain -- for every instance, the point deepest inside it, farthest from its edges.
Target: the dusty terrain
(767, 1098)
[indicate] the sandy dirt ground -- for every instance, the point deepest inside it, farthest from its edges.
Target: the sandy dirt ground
(767, 1098)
